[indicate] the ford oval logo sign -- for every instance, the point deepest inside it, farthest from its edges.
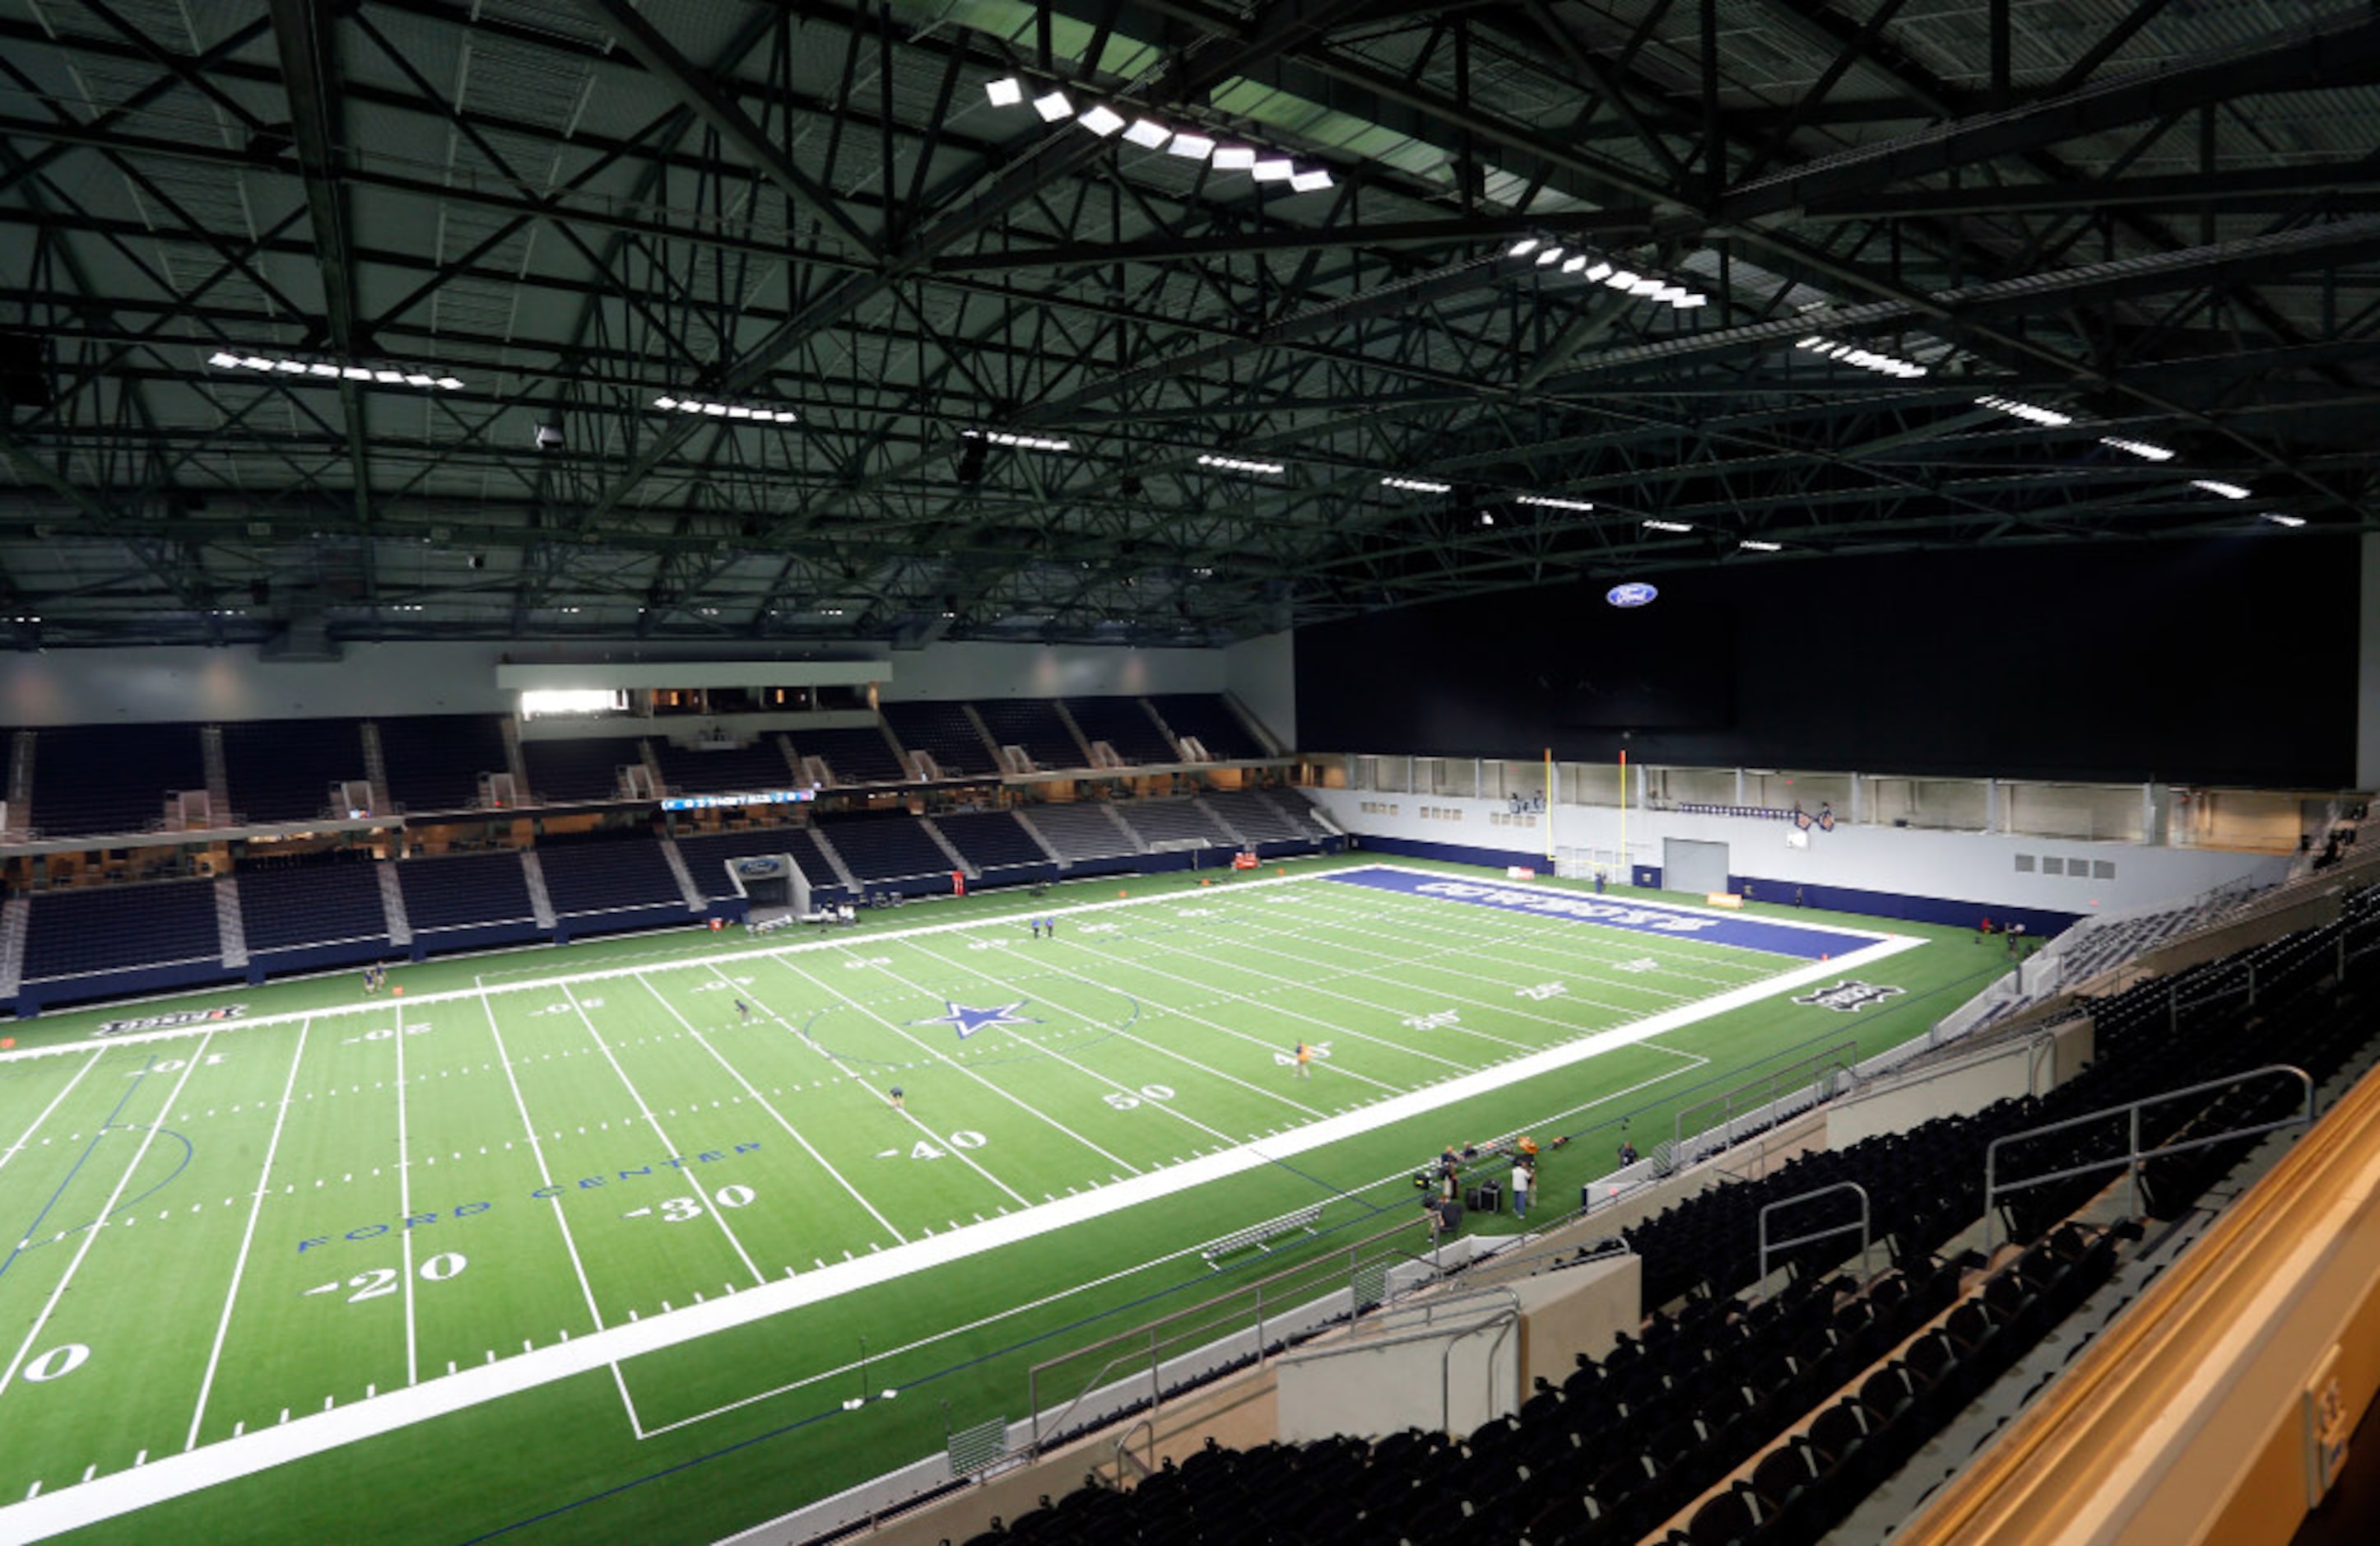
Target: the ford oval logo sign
(1634, 593)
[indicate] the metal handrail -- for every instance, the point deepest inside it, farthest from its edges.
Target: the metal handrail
(1864, 1226)
(1840, 1054)
(1149, 1340)
(1994, 1188)
(1501, 1319)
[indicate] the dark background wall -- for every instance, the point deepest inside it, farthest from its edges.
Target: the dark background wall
(2231, 660)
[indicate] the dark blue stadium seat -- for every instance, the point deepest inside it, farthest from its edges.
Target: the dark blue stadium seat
(283, 770)
(461, 891)
(1033, 723)
(578, 770)
(292, 907)
(1124, 723)
(607, 876)
(110, 778)
(889, 847)
(738, 769)
(434, 761)
(1206, 717)
(112, 928)
(855, 755)
(942, 731)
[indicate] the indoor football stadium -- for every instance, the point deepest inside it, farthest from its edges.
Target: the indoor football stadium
(1340, 773)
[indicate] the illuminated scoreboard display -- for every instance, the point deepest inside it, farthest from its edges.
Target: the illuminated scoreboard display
(755, 796)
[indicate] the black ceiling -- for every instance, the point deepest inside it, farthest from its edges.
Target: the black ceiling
(2159, 219)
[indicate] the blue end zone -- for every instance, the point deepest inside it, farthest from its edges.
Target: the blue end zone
(1798, 940)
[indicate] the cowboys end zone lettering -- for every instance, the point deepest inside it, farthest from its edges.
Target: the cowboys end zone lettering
(559, 1189)
(1804, 941)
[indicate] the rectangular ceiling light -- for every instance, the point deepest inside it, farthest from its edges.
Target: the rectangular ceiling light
(322, 370)
(1148, 133)
(726, 411)
(1753, 544)
(1194, 147)
(1004, 92)
(1550, 503)
(2280, 519)
(1273, 169)
(1235, 464)
(1101, 119)
(1234, 158)
(1667, 526)
(1417, 485)
(1053, 106)
(2213, 485)
(1028, 443)
(1310, 182)
(2145, 450)
(2030, 413)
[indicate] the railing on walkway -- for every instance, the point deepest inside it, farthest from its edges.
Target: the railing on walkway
(2134, 1155)
(1450, 1320)
(1864, 1226)
(1130, 1367)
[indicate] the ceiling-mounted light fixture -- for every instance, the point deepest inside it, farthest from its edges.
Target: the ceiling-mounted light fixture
(1053, 106)
(1007, 91)
(2146, 450)
(726, 411)
(1668, 525)
(2215, 486)
(1417, 485)
(224, 359)
(2031, 413)
(1101, 119)
(1192, 147)
(1028, 443)
(1549, 502)
(2280, 519)
(1148, 133)
(1234, 158)
(1753, 544)
(1237, 464)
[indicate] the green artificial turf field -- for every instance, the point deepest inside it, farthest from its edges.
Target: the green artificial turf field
(565, 1246)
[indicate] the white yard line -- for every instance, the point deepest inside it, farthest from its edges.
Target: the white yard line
(1420, 962)
(73, 1507)
(1430, 919)
(1051, 968)
(1334, 1027)
(36, 1125)
(91, 1236)
(718, 1214)
(870, 1085)
(405, 1210)
(544, 1172)
(956, 1066)
(1118, 1085)
(791, 1131)
(1483, 947)
(239, 1267)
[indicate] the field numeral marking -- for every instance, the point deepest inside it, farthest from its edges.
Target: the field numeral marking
(858, 963)
(964, 1137)
(1097, 928)
(174, 1065)
(380, 1281)
(1542, 992)
(384, 1034)
(65, 1359)
(678, 1210)
(988, 945)
(1122, 1101)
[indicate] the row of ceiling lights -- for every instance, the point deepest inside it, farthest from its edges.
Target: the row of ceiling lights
(224, 359)
(1101, 118)
(2148, 451)
(1596, 269)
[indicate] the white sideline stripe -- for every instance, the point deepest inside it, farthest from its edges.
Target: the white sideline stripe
(762, 952)
(177, 1475)
(247, 1238)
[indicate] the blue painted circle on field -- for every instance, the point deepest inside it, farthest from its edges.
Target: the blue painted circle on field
(1634, 593)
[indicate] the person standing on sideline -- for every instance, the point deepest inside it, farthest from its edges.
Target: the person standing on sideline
(1036, 924)
(1304, 1061)
(1050, 926)
(1524, 1177)
(1627, 1155)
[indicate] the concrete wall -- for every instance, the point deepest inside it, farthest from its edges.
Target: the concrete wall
(1262, 673)
(1578, 1310)
(1978, 869)
(1450, 1374)
(71, 686)
(2022, 1067)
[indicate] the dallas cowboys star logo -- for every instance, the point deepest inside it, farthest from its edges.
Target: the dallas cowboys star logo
(969, 1019)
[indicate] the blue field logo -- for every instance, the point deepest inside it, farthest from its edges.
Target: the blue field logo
(1634, 593)
(969, 1019)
